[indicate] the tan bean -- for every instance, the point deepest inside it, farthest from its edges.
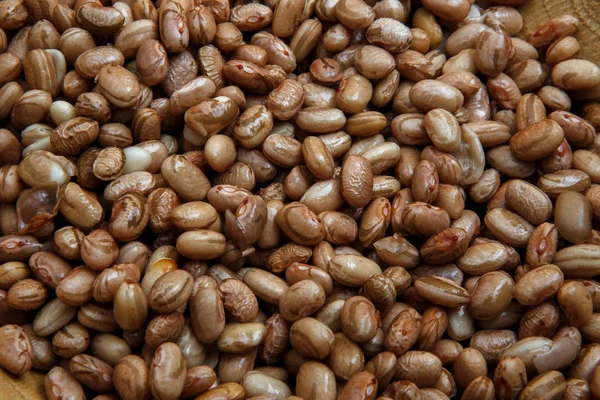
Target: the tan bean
(356, 175)
(548, 385)
(537, 141)
(538, 285)
(71, 340)
(492, 295)
(77, 287)
(286, 100)
(483, 258)
(445, 246)
(170, 291)
(373, 62)
(311, 338)
(576, 302)
(92, 372)
(441, 291)
(554, 98)
(239, 300)
(493, 43)
(403, 332)
(542, 245)
(360, 320)
(581, 255)
(167, 372)
(316, 380)
(576, 74)
(577, 389)
(469, 365)
(99, 250)
(587, 162)
(346, 358)
(425, 220)
(429, 94)
(299, 223)
(425, 20)
(301, 300)
(555, 183)
(283, 150)
(528, 75)
(396, 250)
(131, 375)
(422, 368)
(17, 357)
(352, 270)
(61, 381)
(528, 201)
(509, 227)
(573, 216)
(286, 255)
(409, 129)
(241, 337)
(443, 129)
(208, 298)
(130, 306)
(446, 165)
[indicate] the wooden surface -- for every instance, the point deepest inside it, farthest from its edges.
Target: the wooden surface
(588, 11)
(29, 386)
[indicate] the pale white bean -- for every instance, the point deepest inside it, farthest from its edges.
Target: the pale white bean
(136, 159)
(61, 111)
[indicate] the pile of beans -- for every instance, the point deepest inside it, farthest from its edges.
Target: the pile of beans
(298, 199)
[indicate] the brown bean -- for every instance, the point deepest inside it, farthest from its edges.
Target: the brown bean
(373, 62)
(311, 338)
(521, 196)
(239, 300)
(299, 223)
(429, 94)
(445, 246)
(441, 291)
(352, 270)
(509, 227)
(167, 372)
(130, 306)
(92, 372)
(492, 295)
(360, 319)
(422, 368)
(241, 337)
(403, 332)
(493, 50)
(316, 380)
(131, 377)
(17, 357)
(538, 285)
(575, 302)
(170, 291)
(537, 141)
(548, 385)
(71, 340)
(346, 358)
(576, 74)
(483, 258)
(301, 300)
(76, 288)
(573, 217)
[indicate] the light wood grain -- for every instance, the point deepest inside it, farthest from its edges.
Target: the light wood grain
(536, 12)
(29, 386)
